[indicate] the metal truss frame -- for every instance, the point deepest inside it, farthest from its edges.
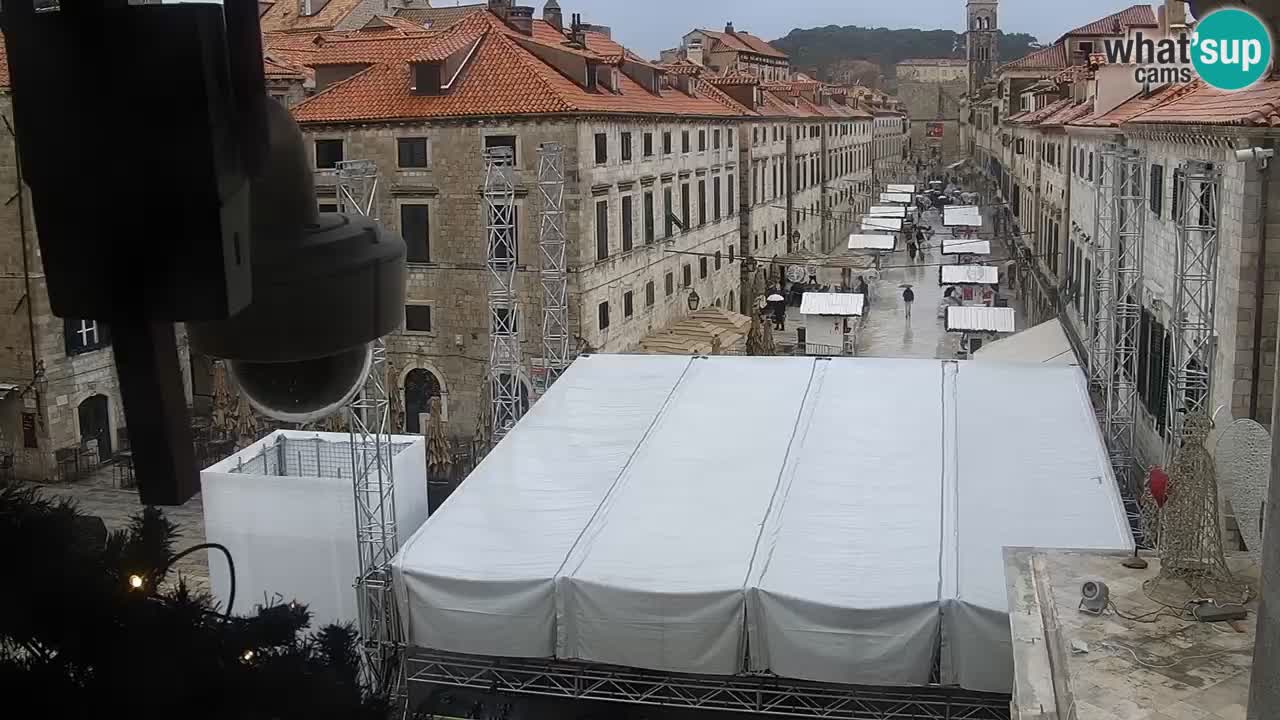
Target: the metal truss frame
(369, 423)
(554, 274)
(358, 187)
(504, 340)
(753, 694)
(1101, 321)
(1192, 325)
(1122, 402)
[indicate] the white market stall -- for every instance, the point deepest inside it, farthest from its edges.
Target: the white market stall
(895, 198)
(979, 325)
(872, 241)
(888, 211)
(831, 322)
(952, 245)
(968, 216)
(900, 188)
(881, 224)
(974, 282)
(837, 523)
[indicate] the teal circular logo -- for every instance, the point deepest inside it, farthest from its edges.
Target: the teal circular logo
(1231, 49)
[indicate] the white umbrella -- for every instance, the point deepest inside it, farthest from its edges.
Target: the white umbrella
(775, 298)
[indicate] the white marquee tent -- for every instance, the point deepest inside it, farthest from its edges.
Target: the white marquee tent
(835, 520)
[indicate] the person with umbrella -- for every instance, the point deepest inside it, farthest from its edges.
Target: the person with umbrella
(778, 303)
(863, 290)
(908, 297)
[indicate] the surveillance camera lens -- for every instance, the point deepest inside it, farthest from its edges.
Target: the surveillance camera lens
(304, 391)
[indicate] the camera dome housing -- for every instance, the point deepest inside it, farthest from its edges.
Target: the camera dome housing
(324, 287)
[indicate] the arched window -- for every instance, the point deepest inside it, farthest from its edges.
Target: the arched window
(419, 387)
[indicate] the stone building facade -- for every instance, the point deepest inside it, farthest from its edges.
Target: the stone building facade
(932, 89)
(732, 52)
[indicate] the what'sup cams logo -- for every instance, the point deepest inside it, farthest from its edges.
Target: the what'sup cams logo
(1230, 49)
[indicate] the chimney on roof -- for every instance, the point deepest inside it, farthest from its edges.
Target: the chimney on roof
(552, 16)
(728, 27)
(520, 19)
(307, 8)
(1175, 13)
(577, 35)
(500, 8)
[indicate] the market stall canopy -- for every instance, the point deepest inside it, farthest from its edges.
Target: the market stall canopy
(890, 211)
(882, 223)
(900, 188)
(1045, 343)
(968, 275)
(961, 216)
(972, 318)
(872, 242)
(824, 303)
(903, 198)
(837, 520)
(961, 246)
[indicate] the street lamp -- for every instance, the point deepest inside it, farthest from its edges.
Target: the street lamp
(694, 300)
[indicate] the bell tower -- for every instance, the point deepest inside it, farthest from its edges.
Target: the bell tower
(982, 45)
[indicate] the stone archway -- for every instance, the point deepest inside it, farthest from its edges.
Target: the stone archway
(94, 416)
(420, 386)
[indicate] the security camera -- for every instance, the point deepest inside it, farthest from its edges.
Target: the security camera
(1257, 154)
(325, 286)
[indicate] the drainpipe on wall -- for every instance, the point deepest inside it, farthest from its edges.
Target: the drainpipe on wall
(1260, 287)
(26, 268)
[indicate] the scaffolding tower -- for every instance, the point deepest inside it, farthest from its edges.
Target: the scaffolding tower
(1197, 187)
(1115, 323)
(504, 339)
(368, 420)
(554, 274)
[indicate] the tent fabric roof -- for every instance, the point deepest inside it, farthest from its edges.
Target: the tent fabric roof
(826, 303)
(980, 319)
(648, 513)
(1045, 343)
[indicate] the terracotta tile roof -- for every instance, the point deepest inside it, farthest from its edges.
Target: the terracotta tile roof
(502, 78)
(1053, 57)
(744, 42)
(1199, 104)
(440, 18)
(1114, 24)
(734, 78)
(279, 69)
(393, 21)
(1134, 106)
(283, 16)
(684, 67)
(1068, 113)
(1034, 117)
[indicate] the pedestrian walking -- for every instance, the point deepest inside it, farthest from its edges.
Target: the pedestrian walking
(911, 250)
(908, 297)
(864, 291)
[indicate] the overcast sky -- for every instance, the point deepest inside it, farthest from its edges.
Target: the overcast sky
(647, 26)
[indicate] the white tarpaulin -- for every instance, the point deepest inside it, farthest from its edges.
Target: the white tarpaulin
(894, 198)
(968, 275)
(828, 303)
(896, 188)
(649, 513)
(965, 246)
(888, 211)
(1045, 343)
(872, 242)
(977, 318)
(961, 216)
(882, 223)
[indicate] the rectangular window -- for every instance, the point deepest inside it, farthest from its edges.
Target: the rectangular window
(702, 268)
(328, 207)
(702, 202)
(718, 260)
(668, 211)
(411, 152)
(626, 223)
(417, 318)
(715, 198)
(648, 293)
(602, 229)
(1157, 189)
(1175, 202)
(666, 143)
(715, 139)
(684, 141)
(415, 226)
(628, 304)
(648, 217)
(1090, 168)
(648, 144)
(684, 205)
(602, 315)
(733, 208)
(728, 136)
(82, 336)
(626, 147)
(688, 275)
(702, 141)
(669, 284)
(328, 154)
(504, 249)
(602, 148)
(502, 141)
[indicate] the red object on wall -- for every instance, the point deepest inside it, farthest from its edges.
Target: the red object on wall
(1158, 482)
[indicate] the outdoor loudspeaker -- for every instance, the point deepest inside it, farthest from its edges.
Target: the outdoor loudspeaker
(1095, 596)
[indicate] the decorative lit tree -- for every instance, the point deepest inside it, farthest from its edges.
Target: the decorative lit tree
(91, 622)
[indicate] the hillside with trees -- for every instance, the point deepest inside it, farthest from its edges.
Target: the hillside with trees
(857, 54)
